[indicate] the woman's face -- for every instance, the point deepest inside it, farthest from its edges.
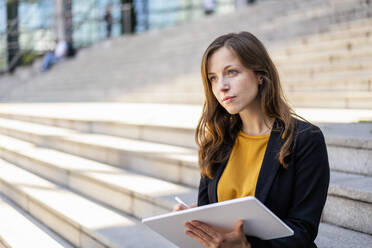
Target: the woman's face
(234, 86)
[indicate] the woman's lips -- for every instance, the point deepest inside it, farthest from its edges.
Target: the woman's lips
(228, 99)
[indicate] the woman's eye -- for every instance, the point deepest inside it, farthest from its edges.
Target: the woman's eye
(232, 72)
(212, 79)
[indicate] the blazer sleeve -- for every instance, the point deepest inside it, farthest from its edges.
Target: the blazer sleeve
(310, 192)
(203, 198)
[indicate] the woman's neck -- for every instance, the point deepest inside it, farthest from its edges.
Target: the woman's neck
(255, 122)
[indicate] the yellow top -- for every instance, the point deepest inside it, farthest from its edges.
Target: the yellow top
(240, 176)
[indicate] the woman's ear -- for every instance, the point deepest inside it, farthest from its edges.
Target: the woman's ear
(260, 79)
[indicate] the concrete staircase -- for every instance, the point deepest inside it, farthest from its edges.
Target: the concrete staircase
(83, 175)
(332, 54)
(89, 173)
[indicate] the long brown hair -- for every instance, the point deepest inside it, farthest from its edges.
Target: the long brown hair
(217, 129)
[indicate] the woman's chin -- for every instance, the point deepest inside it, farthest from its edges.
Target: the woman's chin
(232, 111)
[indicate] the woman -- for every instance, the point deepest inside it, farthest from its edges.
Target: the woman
(251, 143)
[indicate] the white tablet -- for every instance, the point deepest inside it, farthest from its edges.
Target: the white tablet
(259, 221)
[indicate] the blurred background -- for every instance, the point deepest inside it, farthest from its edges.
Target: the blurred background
(100, 100)
(38, 23)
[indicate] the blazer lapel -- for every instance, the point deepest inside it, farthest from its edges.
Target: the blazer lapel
(270, 164)
(212, 186)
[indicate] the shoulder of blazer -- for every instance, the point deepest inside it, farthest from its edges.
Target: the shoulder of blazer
(306, 137)
(304, 126)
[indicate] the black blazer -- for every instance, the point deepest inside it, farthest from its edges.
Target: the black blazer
(296, 195)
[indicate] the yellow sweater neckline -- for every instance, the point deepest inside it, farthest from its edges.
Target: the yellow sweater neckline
(250, 136)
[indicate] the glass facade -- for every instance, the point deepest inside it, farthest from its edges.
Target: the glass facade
(2, 36)
(37, 19)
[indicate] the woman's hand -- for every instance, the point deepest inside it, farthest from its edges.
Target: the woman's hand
(210, 237)
(180, 207)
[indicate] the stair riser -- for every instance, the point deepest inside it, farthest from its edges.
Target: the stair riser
(358, 212)
(140, 207)
(167, 135)
(312, 101)
(350, 160)
(123, 200)
(136, 132)
(341, 44)
(308, 71)
(347, 46)
(321, 58)
(60, 224)
(173, 170)
(349, 34)
(348, 213)
(169, 169)
(180, 171)
(128, 202)
(357, 85)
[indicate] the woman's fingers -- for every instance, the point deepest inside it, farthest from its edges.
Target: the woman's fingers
(207, 229)
(191, 234)
(206, 232)
(179, 207)
(239, 226)
(200, 233)
(210, 237)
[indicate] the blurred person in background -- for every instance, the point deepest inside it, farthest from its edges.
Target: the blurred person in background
(243, 3)
(53, 57)
(108, 19)
(209, 6)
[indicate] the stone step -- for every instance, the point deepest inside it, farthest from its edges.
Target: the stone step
(320, 68)
(89, 73)
(336, 81)
(135, 194)
(81, 221)
(151, 122)
(361, 52)
(331, 99)
(337, 32)
(299, 99)
(349, 202)
(305, 99)
(351, 189)
(15, 222)
(173, 125)
(353, 147)
(180, 94)
(126, 153)
(352, 24)
(182, 60)
(331, 236)
(316, 19)
(349, 151)
(100, 155)
(346, 44)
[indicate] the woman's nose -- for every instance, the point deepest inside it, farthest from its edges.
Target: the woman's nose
(224, 85)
